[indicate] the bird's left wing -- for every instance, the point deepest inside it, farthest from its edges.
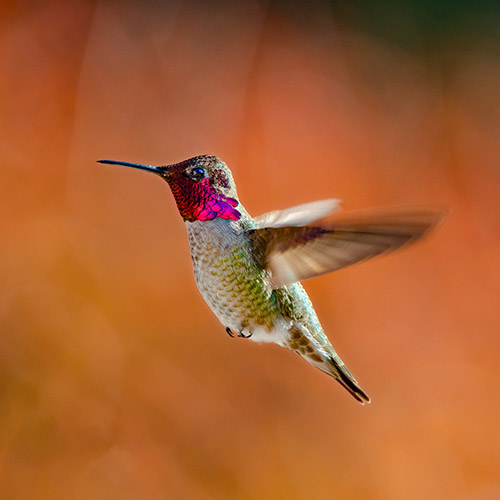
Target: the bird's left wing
(292, 253)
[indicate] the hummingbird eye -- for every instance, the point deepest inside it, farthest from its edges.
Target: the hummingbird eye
(196, 173)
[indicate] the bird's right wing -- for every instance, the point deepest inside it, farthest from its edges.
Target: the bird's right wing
(300, 215)
(292, 253)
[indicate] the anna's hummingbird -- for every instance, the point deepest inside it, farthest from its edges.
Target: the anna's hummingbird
(248, 269)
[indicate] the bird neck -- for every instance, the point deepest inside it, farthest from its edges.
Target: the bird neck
(200, 202)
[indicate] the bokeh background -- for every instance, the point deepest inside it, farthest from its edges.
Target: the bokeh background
(116, 381)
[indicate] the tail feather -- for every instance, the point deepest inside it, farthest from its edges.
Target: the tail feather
(335, 367)
(318, 351)
(350, 384)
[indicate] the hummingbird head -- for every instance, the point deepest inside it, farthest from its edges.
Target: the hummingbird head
(203, 187)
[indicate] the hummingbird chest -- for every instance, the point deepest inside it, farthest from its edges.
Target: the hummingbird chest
(230, 281)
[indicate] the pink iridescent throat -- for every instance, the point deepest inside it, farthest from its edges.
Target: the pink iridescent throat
(199, 201)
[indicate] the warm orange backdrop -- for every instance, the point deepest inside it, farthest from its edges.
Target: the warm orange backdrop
(116, 381)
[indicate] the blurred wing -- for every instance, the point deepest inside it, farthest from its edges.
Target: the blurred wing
(299, 215)
(296, 253)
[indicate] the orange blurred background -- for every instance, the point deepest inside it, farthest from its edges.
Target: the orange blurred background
(116, 379)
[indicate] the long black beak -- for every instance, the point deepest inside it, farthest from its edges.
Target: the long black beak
(140, 166)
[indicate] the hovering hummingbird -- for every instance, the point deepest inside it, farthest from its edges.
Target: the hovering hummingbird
(248, 269)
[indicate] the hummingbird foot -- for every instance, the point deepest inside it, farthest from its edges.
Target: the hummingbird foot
(242, 335)
(229, 332)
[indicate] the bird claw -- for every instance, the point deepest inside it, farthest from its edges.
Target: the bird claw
(240, 333)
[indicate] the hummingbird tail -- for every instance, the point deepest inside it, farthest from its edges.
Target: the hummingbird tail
(318, 352)
(347, 381)
(336, 368)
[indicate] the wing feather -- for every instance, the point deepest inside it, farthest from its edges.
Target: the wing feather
(295, 253)
(299, 215)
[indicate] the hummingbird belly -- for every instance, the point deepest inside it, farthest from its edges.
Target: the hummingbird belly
(241, 295)
(235, 288)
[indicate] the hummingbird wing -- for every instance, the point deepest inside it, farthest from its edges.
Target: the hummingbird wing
(292, 253)
(300, 215)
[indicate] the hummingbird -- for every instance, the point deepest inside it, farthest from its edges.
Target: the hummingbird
(249, 269)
